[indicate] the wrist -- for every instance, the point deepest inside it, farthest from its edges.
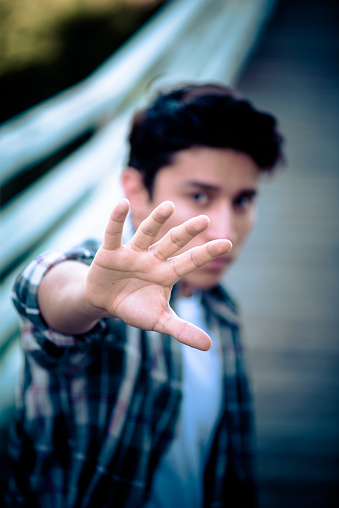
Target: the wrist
(92, 311)
(62, 300)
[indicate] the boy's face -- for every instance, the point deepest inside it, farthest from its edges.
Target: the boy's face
(219, 183)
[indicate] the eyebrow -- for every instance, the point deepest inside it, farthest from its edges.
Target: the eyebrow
(202, 185)
(214, 188)
(248, 192)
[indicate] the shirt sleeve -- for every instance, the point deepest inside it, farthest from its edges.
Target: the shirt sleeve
(35, 332)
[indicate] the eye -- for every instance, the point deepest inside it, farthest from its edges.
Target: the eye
(200, 198)
(244, 201)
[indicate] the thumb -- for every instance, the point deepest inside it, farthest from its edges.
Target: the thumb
(183, 331)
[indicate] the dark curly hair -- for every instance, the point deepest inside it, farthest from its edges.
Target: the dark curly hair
(210, 115)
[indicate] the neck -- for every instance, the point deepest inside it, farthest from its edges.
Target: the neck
(185, 289)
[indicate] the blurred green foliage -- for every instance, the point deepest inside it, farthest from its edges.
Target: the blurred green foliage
(49, 45)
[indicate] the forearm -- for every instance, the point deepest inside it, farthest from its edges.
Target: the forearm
(62, 302)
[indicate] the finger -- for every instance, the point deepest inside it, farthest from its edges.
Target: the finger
(198, 256)
(150, 227)
(179, 236)
(113, 231)
(183, 331)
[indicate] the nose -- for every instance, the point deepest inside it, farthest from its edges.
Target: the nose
(222, 223)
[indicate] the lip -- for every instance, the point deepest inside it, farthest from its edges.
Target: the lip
(218, 264)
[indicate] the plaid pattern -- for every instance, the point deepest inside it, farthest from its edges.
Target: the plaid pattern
(95, 412)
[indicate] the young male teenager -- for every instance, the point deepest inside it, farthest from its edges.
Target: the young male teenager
(123, 401)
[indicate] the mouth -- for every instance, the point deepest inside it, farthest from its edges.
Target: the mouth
(218, 264)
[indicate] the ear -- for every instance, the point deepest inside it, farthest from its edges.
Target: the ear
(137, 194)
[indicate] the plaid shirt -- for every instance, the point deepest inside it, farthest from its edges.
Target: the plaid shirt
(95, 412)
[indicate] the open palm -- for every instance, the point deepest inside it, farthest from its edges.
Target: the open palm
(134, 281)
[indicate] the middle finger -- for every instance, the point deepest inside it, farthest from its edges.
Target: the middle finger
(179, 236)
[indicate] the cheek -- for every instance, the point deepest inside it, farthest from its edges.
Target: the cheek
(181, 214)
(246, 224)
(184, 210)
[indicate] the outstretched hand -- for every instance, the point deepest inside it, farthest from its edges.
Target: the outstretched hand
(134, 281)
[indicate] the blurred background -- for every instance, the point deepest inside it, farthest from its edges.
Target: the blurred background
(288, 278)
(48, 45)
(72, 72)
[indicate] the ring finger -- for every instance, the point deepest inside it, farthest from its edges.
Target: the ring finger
(178, 237)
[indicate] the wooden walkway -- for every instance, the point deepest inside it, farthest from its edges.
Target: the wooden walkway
(288, 277)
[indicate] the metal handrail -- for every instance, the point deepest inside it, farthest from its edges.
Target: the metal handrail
(187, 40)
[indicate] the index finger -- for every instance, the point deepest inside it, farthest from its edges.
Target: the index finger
(196, 257)
(114, 228)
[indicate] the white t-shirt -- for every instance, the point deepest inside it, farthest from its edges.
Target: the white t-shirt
(178, 480)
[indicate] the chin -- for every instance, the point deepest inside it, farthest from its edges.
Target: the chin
(202, 281)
